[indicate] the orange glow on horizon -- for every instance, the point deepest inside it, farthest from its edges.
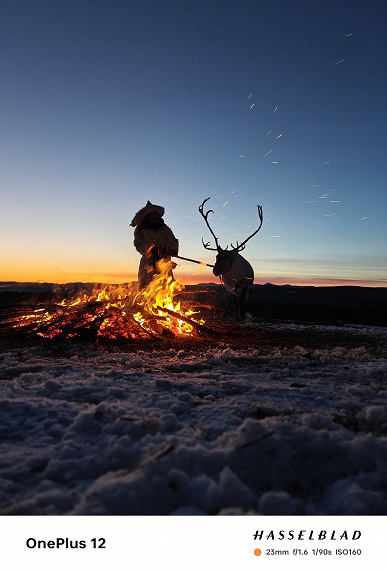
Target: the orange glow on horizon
(186, 274)
(193, 279)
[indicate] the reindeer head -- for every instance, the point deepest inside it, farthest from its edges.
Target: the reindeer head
(225, 257)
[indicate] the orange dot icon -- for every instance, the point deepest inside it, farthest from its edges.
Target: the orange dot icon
(257, 552)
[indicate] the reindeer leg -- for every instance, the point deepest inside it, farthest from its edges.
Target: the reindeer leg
(242, 305)
(240, 300)
(238, 308)
(247, 303)
(230, 305)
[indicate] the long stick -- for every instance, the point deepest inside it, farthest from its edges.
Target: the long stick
(194, 261)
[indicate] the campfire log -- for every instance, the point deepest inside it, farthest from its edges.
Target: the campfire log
(137, 325)
(124, 314)
(198, 326)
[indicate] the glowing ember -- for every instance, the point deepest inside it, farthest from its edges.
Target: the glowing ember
(114, 312)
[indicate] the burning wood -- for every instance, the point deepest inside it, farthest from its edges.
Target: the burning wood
(114, 312)
(179, 317)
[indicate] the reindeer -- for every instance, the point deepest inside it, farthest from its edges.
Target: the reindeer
(235, 272)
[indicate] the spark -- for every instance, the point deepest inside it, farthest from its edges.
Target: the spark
(335, 201)
(273, 237)
(275, 162)
(279, 136)
(310, 201)
(275, 109)
(225, 204)
(268, 133)
(346, 35)
(249, 96)
(268, 153)
(301, 80)
(363, 218)
(330, 214)
(339, 61)
(252, 106)
(242, 156)
(327, 163)
(233, 191)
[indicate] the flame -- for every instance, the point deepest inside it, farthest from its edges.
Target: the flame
(117, 311)
(157, 300)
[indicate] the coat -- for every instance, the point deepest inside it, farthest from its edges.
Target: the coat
(145, 240)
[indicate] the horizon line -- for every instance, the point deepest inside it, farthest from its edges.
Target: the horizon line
(309, 282)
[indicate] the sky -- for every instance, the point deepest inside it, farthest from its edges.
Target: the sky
(108, 104)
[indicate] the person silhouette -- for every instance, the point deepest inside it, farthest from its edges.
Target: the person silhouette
(154, 240)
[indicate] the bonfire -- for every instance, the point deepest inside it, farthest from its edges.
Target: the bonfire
(112, 312)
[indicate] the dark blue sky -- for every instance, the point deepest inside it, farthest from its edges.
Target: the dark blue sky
(107, 104)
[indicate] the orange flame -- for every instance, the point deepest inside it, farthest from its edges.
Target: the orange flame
(118, 311)
(157, 299)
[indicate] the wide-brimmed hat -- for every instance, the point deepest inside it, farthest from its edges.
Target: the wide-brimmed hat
(143, 212)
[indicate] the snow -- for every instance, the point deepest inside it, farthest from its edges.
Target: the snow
(200, 430)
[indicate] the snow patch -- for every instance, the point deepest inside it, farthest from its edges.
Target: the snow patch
(226, 431)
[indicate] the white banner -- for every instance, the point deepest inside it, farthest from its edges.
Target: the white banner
(224, 543)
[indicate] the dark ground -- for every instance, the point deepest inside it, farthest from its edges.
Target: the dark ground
(274, 309)
(318, 305)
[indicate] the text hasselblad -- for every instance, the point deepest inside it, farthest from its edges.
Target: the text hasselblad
(309, 535)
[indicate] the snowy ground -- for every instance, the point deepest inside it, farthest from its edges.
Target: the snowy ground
(219, 429)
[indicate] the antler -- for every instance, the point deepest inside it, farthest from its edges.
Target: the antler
(242, 246)
(205, 216)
